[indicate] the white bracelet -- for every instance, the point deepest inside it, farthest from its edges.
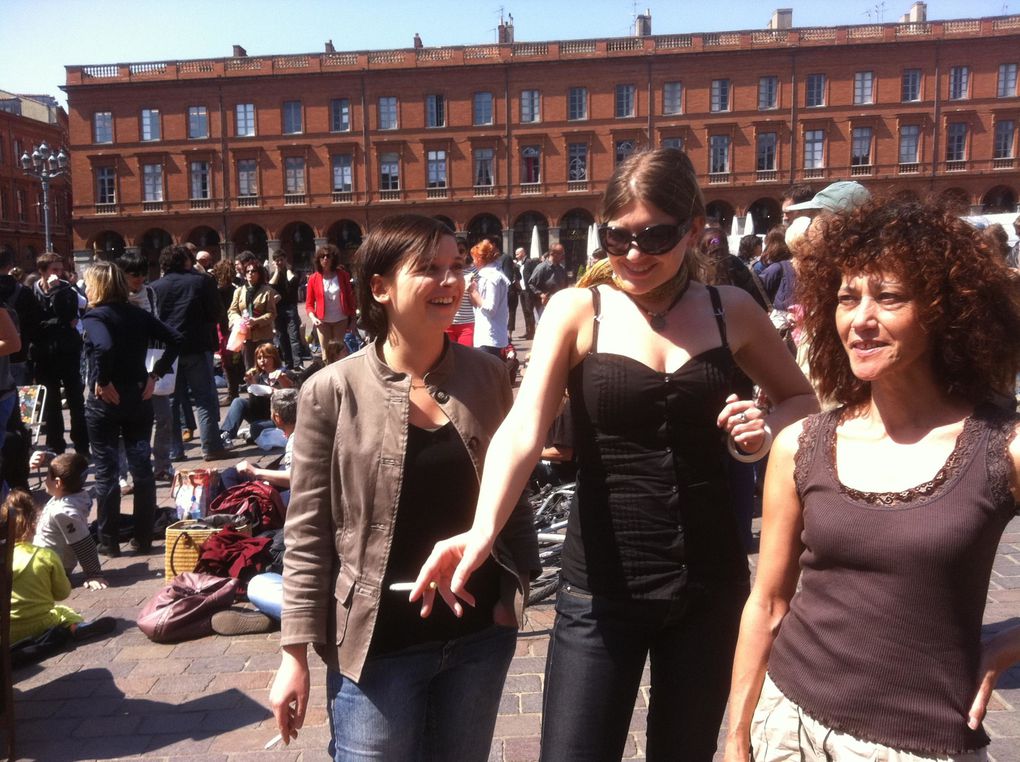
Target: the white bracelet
(753, 457)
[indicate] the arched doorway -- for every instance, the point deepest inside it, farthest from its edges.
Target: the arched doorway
(446, 221)
(108, 245)
(906, 195)
(253, 238)
(150, 245)
(957, 200)
(346, 236)
(721, 212)
(206, 239)
(766, 213)
(999, 200)
(574, 227)
(485, 226)
(523, 226)
(297, 240)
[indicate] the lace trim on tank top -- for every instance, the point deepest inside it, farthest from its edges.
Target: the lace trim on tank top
(961, 455)
(807, 444)
(1000, 464)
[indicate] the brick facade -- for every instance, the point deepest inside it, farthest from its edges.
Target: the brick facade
(630, 84)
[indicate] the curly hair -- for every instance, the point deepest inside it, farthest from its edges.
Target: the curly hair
(483, 252)
(965, 296)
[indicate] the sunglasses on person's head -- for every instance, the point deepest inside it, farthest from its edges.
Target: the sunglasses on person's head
(655, 239)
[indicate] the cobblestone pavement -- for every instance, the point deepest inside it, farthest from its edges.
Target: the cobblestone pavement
(124, 696)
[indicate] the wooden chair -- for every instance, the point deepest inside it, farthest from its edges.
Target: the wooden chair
(32, 400)
(6, 681)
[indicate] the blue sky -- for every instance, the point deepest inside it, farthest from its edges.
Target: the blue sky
(33, 54)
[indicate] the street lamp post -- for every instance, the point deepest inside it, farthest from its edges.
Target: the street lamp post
(47, 166)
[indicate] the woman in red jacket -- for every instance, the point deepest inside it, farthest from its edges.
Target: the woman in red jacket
(330, 300)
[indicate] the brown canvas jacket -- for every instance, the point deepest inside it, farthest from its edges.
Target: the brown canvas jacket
(347, 472)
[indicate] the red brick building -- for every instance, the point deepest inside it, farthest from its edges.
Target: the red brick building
(292, 150)
(25, 123)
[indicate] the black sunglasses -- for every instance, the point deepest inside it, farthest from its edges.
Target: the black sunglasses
(655, 239)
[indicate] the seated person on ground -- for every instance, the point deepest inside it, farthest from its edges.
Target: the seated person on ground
(333, 351)
(268, 372)
(284, 417)
(64, 524)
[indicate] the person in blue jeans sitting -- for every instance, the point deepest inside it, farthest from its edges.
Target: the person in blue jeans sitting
(268, 372)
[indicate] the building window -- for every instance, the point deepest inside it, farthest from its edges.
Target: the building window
(672, 98)
(200, 180)
(624, 148)
(151, 129)
(106, 188)
(435, 169)
(292, 118)
(719, 154)
(152, 182)
(340, 115)
(677, 143)
(577, 104)
(911, 86)
(294, 175)
(768, 93)
(814, 94)
(531, 164)
(531, 106)
(22, 202)
(3, 204)
(814, 149)
(198, 122)
(244, 118)
(17, 150)
(1007, 80)
(388, 113)
(247, 178)
(484, 174)
(956, 142)
(864, 88)
(435, 111)
(766, 151)
(102, 127)
(720, 95)
(1004, 132)
(860, 152)
(389, 171)
(910, 144)
(577, 162)
(343, 173)
(959, 80)
(625, 101)
(482, 109)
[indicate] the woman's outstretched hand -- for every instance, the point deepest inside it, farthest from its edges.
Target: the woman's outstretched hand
(447, 571)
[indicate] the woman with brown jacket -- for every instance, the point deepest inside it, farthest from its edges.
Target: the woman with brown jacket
(254, 307)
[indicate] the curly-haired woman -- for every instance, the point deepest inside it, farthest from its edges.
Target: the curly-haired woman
(488, 293)
(889, 508)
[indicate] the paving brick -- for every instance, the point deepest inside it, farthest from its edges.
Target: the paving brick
(516, 725)
(521, 749)
(241, 680)
(523, 683)
(180, 684)
(215, 665)
(105, 727)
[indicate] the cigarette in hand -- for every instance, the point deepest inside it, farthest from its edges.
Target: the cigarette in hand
(273, 741)
(406, 587)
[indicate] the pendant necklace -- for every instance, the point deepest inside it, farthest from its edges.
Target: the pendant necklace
(657, 320)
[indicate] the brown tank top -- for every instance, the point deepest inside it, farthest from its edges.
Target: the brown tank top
(883, 640)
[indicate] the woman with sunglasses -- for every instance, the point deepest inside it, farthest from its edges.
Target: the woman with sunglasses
(653, 563)
(254, 306)
(330, 298)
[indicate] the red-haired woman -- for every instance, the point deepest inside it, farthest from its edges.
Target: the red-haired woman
(889, 508)
(488, 292)
(330, 299)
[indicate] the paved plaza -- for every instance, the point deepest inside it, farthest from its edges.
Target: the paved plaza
(126, 697)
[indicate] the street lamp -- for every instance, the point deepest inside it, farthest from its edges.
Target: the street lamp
(45, 165)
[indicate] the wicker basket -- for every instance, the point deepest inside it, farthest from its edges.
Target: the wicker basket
(184, 541)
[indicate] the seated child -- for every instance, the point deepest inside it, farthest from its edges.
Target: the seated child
(64, 524)
(39, 625)
(283, 409)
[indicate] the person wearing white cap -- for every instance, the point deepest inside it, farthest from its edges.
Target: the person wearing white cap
(842, 196)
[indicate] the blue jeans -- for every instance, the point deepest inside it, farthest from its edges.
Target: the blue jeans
(131, 421)
(265, 591)
(596, 658)
(162, 435)
(432, 702)
(195, 372)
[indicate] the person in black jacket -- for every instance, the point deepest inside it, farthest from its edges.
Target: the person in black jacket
(117, 336)
(509, 268)
(527, 265)
(24, 309)
(190, 304)
(286, 283)
(56, 352)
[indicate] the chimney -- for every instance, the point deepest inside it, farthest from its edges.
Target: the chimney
(329, 47)
(917, 14)
(417, 41)
(782, 18)
(239, 52)
(643, 24)
(505, 30)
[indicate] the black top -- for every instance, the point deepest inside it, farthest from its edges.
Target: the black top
(58, 310)
(286, 287)
(116, 339)
(189, 303)
(654, 515)
(437, 500)
(24, 308)
(548, 278)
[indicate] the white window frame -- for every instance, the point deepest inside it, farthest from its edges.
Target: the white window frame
(864, 88)
(531, 106)
(198, 123)
(244, 120)
(388, 112)
(672, 98)
(102, 128)
(720, 98)
(768, 93)
(150, 129)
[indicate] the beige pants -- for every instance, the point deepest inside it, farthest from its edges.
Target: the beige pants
(780, 730)
(328, 331)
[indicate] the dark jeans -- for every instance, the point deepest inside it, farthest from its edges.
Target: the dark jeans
(288, 334)
(528, 308)
(195, 372)
(64, 370)
(513, 296)
(596, 658)
(108, 424)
